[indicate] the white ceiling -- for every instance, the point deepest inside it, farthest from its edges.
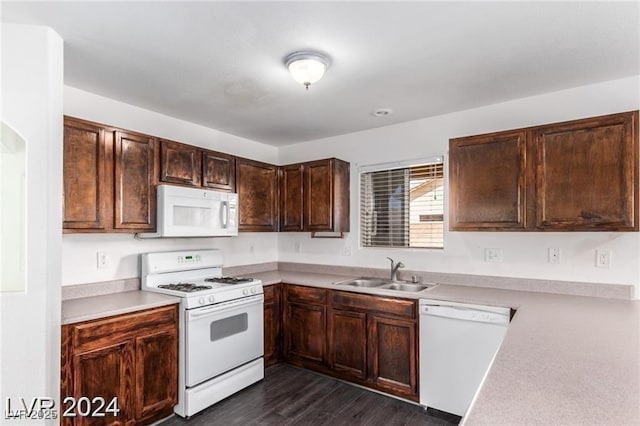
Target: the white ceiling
(219, 64)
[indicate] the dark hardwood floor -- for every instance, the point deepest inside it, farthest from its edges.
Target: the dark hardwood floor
(293, 396)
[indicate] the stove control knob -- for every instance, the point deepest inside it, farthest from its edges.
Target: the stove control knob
(212, 299)
(253, 290)
(245, 291)
(201, 301)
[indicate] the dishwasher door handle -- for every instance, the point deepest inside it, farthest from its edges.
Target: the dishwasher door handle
(465, 314)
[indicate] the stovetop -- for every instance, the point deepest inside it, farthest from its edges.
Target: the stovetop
(186, 287)
(228, 280)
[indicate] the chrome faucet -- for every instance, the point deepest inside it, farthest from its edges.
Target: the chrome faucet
(394, 269)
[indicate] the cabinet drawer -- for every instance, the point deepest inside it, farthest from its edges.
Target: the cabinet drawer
(384, 305)
(306, 294)
(102, 332)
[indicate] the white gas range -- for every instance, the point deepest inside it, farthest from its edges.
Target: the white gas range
(221, 325)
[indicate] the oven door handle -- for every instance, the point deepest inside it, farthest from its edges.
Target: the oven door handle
(225, 306)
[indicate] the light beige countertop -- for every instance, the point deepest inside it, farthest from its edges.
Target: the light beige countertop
(565, 360)
(88, 308)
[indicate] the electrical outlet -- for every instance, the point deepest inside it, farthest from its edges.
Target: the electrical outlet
(492, 255)
(603, 259)
(554, 255)
(104, 260)
(346, 250)
(297, 247)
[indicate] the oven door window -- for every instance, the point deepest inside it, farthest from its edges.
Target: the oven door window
(226, 327)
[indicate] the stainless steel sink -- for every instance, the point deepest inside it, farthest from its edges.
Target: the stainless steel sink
(364, 282)
(385, 284)
(411, 287)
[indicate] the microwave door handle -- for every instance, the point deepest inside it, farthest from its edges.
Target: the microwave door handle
(224, 214)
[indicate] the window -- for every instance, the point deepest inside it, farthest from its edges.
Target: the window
(403, 206)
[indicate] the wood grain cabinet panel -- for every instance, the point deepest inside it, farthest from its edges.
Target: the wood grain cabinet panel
(154, 352)
(218, 171)
(272, 325)
(393, 352)
(326, 196)
(291, 197)
(587, 174)
(257, 187)
(579, 175)
(135, 184)
(85, 176)
(347, 342)
(180, 163)
(487, 182)
(133, 357)
(305, 336)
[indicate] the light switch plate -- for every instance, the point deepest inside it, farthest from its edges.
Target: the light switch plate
(492, 255)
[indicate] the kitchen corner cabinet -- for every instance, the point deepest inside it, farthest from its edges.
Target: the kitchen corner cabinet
(132, 357)
(180, 163)
(314, 196)
(365, 339)
(257, 188)
(272, 325)
(580, 175)
(109, 179)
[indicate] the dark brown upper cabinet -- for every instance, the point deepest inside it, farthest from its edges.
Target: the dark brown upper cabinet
(587, 174)
(180, 163)
(85, 177)
(291, 197)
(135, 183)
(326, 195)
(218, 171)
(314, 196)
(487, 181)
(257, 188)
(580, 175)
(109, 179)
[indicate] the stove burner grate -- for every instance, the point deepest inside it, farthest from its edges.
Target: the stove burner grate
(228, 280)
(186, 287)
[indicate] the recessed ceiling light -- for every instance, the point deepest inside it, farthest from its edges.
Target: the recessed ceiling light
(382, 112)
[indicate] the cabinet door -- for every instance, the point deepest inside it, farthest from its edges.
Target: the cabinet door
(156, 374)
(347, 343)
(291, 198)
(587, 174)
(218, 171)
(392, 353)
(105, 373)
(487, 182)
(135, 193)
(305, 334)
(318, 194)
(272, 324)
(86, 178)
(180, 163)
(257, 185)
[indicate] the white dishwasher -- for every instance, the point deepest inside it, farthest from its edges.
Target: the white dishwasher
(457, 344)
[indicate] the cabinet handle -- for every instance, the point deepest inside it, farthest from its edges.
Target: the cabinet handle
(589, 215)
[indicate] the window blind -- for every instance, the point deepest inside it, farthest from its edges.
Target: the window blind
(403, 207)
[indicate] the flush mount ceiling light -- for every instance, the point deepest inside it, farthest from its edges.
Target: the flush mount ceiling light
(382, 112)
(306, 67)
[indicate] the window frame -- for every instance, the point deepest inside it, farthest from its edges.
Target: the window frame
(438, 158)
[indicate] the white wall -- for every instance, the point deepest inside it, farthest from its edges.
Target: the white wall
(32, 80)
(79, 252)
(523, 254)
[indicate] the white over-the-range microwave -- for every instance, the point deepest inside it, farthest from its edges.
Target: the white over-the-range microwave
(194, 212)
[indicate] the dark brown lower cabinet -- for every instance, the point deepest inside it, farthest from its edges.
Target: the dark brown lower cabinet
(272, 325)
(131, 357)
(365, 339)
(393, 364)
(347, 343)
